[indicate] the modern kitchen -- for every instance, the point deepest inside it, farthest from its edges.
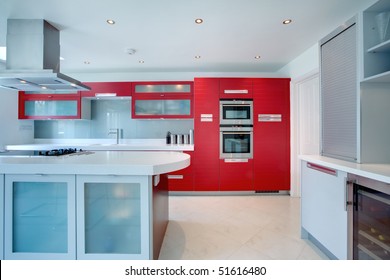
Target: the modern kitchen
(164, 130)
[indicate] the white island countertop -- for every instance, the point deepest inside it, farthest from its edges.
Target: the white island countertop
(97, 163)
(379, 172)
(101, 145)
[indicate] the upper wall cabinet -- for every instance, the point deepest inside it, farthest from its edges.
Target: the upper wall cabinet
(53, 106)
(236, 88)
(376, 42)
(108, 89)
(156, 100)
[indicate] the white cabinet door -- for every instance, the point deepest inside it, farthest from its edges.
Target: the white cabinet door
(323, 207)
(113, 217)
(39, 217)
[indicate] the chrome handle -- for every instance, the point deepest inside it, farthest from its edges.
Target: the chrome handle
(346, 192)
(233, 91)
(175, 177)
(322, 169)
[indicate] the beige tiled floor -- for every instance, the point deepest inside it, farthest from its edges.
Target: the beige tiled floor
(236, 227)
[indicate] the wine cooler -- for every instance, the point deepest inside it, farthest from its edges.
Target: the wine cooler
(370, 219)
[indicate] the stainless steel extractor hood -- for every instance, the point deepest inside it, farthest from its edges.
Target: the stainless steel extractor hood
(33, 59)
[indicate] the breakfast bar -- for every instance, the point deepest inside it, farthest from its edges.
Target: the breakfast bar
(87, 205)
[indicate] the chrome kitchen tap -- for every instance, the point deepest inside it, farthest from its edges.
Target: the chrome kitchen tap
(115, 131)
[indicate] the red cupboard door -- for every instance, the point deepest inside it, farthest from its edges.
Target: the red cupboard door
(206, 134)
(271, 137)
(236, 176)
(182, 180)
(119, 88)
(236, 88)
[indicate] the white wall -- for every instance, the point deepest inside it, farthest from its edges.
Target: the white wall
(305, 63)
(12, 130)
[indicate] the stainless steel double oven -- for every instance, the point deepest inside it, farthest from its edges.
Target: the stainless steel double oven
(236, 129)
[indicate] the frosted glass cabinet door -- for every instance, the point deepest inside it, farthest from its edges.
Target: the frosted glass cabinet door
(42, 108)
(113, 217)
(163, 107)
(40, 217)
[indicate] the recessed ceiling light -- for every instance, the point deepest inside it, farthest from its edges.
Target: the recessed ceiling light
(87, 62)
(287, 21)
(141, 61)
(61, 58)
(111, 21)
(23, 82)
(43, 87)
(257, 57)
(197, 56)
(199, 21)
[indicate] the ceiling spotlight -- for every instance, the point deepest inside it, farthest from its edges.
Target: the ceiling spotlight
(87, 62)
(287, 21)
(257, 57)
(199, 21)
(111, 21)
(197, 56)
(141, 61)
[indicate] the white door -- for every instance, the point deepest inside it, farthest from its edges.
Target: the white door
(306, 124)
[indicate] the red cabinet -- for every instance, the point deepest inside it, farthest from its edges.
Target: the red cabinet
(40, 106)
(206, 134)
(104, 89)
(236, 175)
(182, 180)
(271, 134)
(236, 88)
(156, 100)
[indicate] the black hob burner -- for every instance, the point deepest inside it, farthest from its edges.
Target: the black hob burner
(60, 152)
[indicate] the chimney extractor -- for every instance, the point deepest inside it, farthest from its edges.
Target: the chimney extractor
(33, 58)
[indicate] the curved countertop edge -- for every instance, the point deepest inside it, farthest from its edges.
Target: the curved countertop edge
(98, 163)
(375, 171)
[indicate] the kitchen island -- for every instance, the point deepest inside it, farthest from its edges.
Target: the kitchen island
(89, 205)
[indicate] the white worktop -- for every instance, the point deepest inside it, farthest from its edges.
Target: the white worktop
(97, 163)
(380, 172)
(101, 145)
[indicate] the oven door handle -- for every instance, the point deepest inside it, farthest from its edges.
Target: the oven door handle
(233, 160)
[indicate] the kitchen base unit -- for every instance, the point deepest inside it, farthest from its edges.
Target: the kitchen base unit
(102, 205)
(323, 209)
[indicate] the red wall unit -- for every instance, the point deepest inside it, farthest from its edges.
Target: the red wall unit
(162, 100)
(49, 106)
(236, 176)
(236, 88)
(121, 89)
(206, 134)
(271, 134)
(182, 180)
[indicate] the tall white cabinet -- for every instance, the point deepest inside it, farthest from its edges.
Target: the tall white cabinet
(355, 89)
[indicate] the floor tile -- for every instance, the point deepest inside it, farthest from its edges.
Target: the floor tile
(236, 227)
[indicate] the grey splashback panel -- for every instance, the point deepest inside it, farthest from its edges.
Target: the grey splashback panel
(106, 114)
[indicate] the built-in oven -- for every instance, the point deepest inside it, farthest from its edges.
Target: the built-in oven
(236, 112)
(236, 142)
(370, 221)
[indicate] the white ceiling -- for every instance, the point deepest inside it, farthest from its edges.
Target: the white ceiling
(165, 36)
